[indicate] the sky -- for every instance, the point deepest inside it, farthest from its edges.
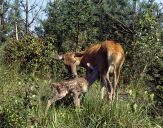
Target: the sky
(159, 1)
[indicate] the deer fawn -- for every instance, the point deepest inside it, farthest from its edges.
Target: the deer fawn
(77, 86)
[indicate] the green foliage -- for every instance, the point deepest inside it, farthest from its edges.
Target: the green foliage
(33, 54)
(73, 23)
(143, 51)
(155, 82)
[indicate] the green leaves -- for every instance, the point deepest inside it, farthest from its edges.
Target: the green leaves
(72, 22)
(32, 53)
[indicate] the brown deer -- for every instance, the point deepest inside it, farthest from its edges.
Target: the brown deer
(77, 86)
(107, 57)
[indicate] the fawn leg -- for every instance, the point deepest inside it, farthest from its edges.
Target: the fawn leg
(57, 96)
(77, 99)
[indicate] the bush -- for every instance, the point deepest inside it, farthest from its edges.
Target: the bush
(155, 82)
(34, 55)
(13, 115)
(31, 53)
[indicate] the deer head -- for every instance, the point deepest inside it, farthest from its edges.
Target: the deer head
(71, 60)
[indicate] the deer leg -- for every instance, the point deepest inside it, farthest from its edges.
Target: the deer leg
(106, 83)
(57, 96)
(102, 92)
(118, 69)
(109, 85)
(77, 99)
(116, 76)
(110, 89)
(103, 83)
(114, 80)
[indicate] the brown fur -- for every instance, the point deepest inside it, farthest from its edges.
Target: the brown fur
(107, 56)
(75, 86)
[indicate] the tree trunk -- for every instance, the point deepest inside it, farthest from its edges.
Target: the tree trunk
(16, 31)
(26, 27)
(77, 34)
(1, 21)
(16, 22)
(133, 39)
(133, 25)
(1, 12)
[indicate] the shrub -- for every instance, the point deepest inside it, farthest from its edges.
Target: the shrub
(33, 55)
(155, 82)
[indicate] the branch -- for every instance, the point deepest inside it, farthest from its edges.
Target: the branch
(36, 14)
(23, 5)
(122, 25)
(33, 6)
(124, 32)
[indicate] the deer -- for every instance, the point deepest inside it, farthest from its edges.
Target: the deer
(76, 86)
(107, 57)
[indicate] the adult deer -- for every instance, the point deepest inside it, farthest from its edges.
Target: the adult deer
(107, 57)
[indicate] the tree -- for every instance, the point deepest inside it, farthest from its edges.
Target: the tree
(71, 22)
(4, 7)
(17, 14)
(1, 12)
(26, 13)
(79, 19)
(1, 18)
(13, 23)
(32, 10)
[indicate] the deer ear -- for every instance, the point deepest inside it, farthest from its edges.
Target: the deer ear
(58, 57)
(79, 54)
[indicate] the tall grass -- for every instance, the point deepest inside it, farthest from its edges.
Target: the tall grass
(128, 110)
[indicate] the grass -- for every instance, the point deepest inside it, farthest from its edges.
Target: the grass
(129, 110)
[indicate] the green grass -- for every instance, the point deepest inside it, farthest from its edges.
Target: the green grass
(130, 109)
(95, 113)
